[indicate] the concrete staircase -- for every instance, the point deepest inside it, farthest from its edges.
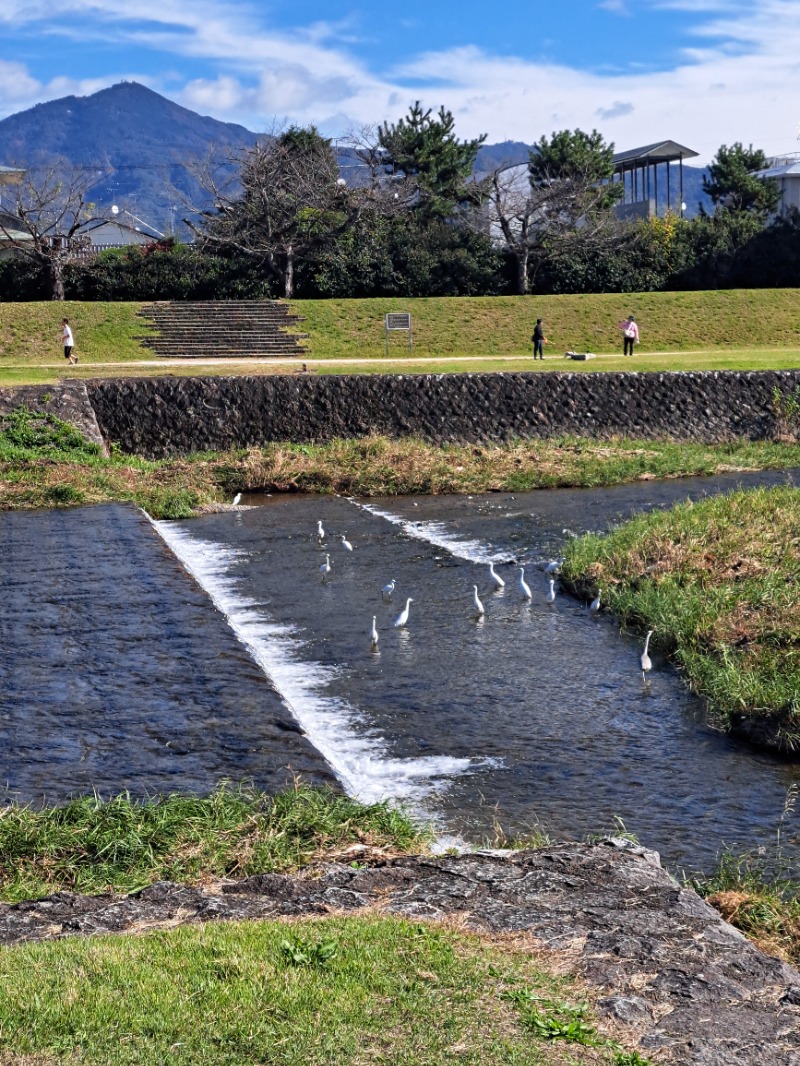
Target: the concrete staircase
(223, 329)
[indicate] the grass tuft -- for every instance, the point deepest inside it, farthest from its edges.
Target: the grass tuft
(92, 845)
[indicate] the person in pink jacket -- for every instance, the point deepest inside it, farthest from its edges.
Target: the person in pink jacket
(630, 334)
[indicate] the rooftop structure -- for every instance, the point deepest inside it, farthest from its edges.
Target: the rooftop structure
(785, 170)
(638, 170)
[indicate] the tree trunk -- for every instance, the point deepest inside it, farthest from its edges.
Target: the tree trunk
(288, 274)
(522, 272)
(56, 280)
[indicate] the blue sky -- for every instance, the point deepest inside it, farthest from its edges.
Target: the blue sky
(703, 72)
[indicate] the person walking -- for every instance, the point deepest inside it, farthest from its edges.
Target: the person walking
(68, 341)
(539, 339)
(630, 334)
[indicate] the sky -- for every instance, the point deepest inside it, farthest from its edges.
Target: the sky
(700, 72)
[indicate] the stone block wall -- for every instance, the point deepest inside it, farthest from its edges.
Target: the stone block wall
(163, 416)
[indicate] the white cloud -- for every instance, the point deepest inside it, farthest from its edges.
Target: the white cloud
(736, 82)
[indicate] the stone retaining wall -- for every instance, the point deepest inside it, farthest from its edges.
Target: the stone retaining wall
(167, 416)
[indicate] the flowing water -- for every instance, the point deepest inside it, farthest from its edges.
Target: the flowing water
(531, 714)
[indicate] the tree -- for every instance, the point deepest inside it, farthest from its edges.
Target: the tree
(284, 204)
(733, 186)
(423, 151)
(565, 191)
(48, 208)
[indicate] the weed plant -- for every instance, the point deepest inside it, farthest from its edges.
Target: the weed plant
(92, 845)
(719, 583)
(758, 891)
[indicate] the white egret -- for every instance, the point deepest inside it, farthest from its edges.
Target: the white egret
(346, 543)
(320, 531)
(646, 662)
(325, 569)
(237, 499)
(387, 590)
(374, 633)
(476, 600)
(524, 587)
(498, 581)
(553, 566)
(594, 606)
(402, 618)
(551, 595)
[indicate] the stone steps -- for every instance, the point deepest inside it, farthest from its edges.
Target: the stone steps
(228, 329)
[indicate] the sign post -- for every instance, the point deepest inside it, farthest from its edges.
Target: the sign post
(395, 321)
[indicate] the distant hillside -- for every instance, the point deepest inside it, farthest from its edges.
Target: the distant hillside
(146, 149)
(146, 142)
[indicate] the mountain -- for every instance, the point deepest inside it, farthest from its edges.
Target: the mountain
(146, 150)
(146, 145)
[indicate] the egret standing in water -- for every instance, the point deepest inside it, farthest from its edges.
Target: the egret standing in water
(320, 532)
(325, 569)
(374, 633)
(553, 566)
(594, 606)
(387, 590)
(523, 584)
(646, 662)
(402, 618)
(346, 543)
(479, 611)
(498, 581)
(551, 595)
(237, 499)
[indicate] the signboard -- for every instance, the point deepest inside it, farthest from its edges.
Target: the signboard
(398, 320)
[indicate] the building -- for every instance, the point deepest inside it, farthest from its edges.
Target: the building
(639, 170)
(785, 170)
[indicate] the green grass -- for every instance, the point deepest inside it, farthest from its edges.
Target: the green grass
(502, 325)
(103, 332)
(90, 845)
(363, 991)
(43, 463)
(735, 329)
(719, 583)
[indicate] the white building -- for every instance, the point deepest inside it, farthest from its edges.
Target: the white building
(786, 171)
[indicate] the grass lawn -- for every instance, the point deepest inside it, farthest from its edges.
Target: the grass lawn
(502, 325)
(361, 991)
(719, 584)
(737, 329)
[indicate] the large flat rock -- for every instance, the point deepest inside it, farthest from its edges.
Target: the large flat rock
(662, 960)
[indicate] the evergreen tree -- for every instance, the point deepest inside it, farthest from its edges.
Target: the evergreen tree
(733, 186)
(423, 150)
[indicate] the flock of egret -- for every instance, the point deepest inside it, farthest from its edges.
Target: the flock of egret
(552, 567)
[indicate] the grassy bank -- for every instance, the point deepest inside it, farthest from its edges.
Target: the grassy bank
(46, 463)
(719, 583)
(737, 329)
(361, 991)
(90, 845)
(502, 325)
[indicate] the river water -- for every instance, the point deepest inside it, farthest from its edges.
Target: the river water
(533, 714)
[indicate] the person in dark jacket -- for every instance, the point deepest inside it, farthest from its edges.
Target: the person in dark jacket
(539, 339)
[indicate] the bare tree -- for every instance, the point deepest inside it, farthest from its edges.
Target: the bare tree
(44, 214)
(564, 191)
(282, 202)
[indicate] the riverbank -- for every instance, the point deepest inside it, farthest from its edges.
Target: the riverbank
(45, 462)
(718, 582)
(587, 953)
